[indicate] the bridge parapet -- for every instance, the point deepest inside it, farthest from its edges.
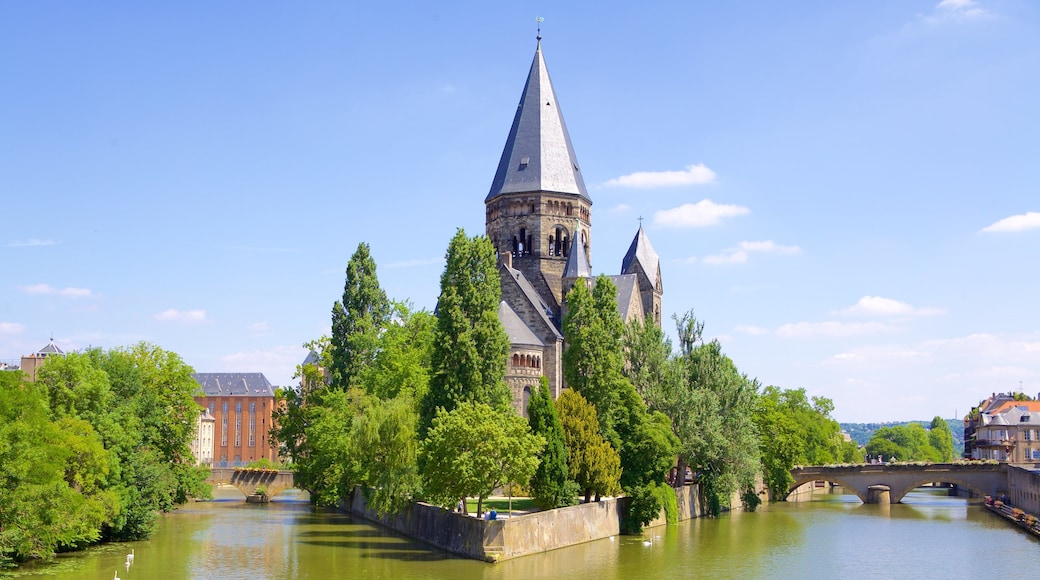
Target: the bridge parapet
(248, 481)
(901, 478)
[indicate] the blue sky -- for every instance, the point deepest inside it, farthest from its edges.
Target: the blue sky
(845, 192)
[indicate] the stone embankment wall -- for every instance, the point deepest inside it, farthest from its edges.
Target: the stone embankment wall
(1024, 488)
(502, 539)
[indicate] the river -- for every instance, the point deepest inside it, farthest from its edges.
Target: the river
(833, 536)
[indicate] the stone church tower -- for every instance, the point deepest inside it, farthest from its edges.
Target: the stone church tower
(539, 218)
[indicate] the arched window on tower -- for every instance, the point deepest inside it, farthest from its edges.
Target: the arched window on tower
(552, 245)
(566, 246)
(516, 247)
(559, 236)
(525, 247)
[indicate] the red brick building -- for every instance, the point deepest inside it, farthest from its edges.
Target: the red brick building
(242, 405)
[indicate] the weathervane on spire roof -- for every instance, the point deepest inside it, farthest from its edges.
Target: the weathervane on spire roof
(539, 21)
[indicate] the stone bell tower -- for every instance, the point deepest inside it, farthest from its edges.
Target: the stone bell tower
(538, 210)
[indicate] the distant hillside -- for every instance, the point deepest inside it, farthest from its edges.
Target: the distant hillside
(862, 432)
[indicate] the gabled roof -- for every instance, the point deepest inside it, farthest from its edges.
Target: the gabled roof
(641, 251)
(312, 359)
(234, 384)
(538, 155)
(627, 285)
(577, 263)
(544, 311)
(518, 331)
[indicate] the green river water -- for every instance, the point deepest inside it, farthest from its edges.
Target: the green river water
(834, 536)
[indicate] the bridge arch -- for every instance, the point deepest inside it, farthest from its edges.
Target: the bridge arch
(249, 481)
(838, 480)
(900, 479)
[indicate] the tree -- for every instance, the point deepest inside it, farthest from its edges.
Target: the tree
(711, 406)
(903, 443)
(549, 483)
(357, 320)
(402, 361)
(386, 442)
(593, 360)
(591, 461)
(470, 345)
(941, 439)
(475, 448)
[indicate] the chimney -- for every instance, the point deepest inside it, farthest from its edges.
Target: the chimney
(507, 259)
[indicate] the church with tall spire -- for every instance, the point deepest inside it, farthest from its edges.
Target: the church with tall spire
(539, 218)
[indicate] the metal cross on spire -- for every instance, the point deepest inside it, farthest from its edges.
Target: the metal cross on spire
(539, 21)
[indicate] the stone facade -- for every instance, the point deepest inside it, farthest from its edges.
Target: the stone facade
(539, 218)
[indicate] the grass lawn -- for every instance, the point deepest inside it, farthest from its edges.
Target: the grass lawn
(501, 504)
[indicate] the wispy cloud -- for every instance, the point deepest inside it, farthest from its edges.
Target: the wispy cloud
(48, 290)
(752, 330)
(957, 10)
(693, 215)
(174, 315)
(11, 328)
(692, 175)
(259, 328)
(277, 363)
(830, 328)
(1015, 223)
(739, 253)
(31, 243)
(620, 208)
(878, 306)
(414, 263)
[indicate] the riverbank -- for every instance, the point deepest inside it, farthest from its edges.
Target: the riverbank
(1028, 522)
(520, 535)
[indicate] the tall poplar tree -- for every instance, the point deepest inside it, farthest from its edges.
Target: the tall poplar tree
(592, 362)
(357, 320)
(470, 345)
(549, 483)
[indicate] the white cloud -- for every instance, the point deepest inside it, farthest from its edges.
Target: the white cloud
(956, 10)
(878, 306)
(47, 290)
(703, 213)
(10, 328)
(277, 363)
(174, 315)
(620, 208)
(830, 328)
(739, 254)
(692, 175)
(1015, 223)
(414, 263)
(31, 243)
(752, 330)
(258, 327)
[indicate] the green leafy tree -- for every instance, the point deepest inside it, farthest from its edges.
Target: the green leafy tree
(591, 461)
(902, 443)
(941, 439)
(470, 345)
(385, 438)
(711, 406)
(475, 448)
(549, 485)
(357, 320)
(593, 360)
(402, 361)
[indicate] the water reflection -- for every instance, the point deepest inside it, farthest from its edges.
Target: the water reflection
(831, 536)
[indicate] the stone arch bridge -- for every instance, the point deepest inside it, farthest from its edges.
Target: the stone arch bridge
(248, 481)
(873, 483)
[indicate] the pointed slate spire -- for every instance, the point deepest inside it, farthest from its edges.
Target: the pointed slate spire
(538, 155)
(577, 262)
(641, 251)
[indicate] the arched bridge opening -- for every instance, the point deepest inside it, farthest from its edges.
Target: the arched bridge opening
(253, 481)
(872, 483)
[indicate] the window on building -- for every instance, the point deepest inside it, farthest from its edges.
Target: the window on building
(223, 429)
(252, 424)
(238, 429)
